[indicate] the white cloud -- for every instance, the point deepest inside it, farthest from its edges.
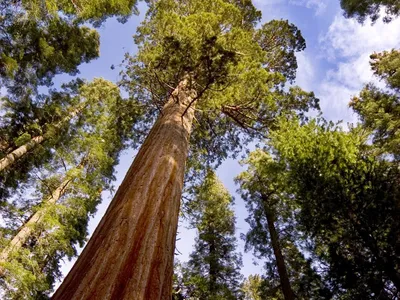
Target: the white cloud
(346, 37)
(319, 5)
(348, 45)
(305, 71)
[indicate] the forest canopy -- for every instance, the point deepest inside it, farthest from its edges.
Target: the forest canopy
(226, 124)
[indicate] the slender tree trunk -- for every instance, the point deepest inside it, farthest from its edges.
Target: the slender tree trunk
(9, 159)
(130, 255)
(213, 269)
(26, 230)
(280, 261)
(15, 155)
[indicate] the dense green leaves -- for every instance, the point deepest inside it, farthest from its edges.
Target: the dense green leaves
(379, 109)
(237, 71)
(87, 161)
(362, 9)
(33, 51)
(94, 11)
(213, 271)
(349, 202)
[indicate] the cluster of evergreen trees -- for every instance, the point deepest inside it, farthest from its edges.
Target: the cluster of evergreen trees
(323, 203)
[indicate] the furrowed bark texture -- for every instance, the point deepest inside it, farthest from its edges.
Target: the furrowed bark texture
(26, 230)
(280, 261)
(130, 255)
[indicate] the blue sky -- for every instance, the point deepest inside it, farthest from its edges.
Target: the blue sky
(335, 65)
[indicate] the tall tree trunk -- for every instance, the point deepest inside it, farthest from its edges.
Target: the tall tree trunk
(213, 267)
(26, 230)
(9, 159)
(130, 255)
(15, 155)
(280, 261)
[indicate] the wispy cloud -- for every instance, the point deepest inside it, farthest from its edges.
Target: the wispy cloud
(318, 5)
(346, 46)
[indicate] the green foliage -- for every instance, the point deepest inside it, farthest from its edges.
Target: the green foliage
(280, 40)
(94, 11)
(42, 50)
(362, 9)
(237, 71)
(379, 109)
(213, 271)
(88, 160)
(23, 139)
(251, 287)
(386, 65)
(264, 189)
(43, 38)
(348, 199)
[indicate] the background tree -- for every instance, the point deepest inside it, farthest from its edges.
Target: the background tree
(379, 109)
(251, 287)
(40, 39)
(273, 233)
(31, 128)
(197, 60)
(348, 198)
(362, 9)
(67, 193)
(213, 271)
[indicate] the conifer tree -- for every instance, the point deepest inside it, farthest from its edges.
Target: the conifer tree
(197, 60)
(26, 121)
(71, 190)
(40, 39)
(348, 202)
(362, 9)
(34, 129)
(273, 233)
(213, 271)
(251, 287)
(379, 109)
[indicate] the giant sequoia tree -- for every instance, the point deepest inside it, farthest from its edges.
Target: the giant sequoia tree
(208, 71)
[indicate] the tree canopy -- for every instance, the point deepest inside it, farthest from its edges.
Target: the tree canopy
(237, 71)
(363, 9)
(213, 270)
(214, 79)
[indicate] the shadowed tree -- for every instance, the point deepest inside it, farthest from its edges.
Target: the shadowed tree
(273, 233)
(202, 66)
(362, 9)
(348, 198)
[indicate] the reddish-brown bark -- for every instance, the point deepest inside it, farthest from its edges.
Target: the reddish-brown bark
(130, 255)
